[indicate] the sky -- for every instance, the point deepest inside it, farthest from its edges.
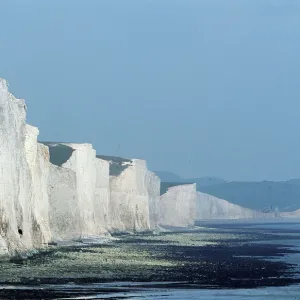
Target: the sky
(195, 87)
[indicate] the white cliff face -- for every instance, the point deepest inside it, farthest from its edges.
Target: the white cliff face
(153, 185)
(85, 192)
(292, 214)
(102, 196)
(38, 161)
(14, 213)
(64, 209)
(129, 198)
(210, 207)
(177, 206)
(83, 163)
(3, 248)
(22, 223)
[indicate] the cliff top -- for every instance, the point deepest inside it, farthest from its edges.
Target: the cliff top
(164, 186)
(116, 164)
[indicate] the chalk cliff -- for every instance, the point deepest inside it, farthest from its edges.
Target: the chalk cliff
(153, 186)
(102, 194)
(177, 206)
(64, 209)
(79, 184)
(210, 207)
(129, 195)
(292, 214)
(23, 175)
(37, 156)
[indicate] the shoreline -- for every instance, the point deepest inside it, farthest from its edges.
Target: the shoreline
(207, 258)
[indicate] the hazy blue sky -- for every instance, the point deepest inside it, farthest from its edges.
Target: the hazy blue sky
(199, 87)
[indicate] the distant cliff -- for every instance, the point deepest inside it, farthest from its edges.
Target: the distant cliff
(210, 207)
(177, 205)
(264, 196)
(129, 198)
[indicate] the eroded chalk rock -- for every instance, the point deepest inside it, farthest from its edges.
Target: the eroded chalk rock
(23, 220)
(102, 195)
(37, 156)
(292, 214)
(210, 207)
(85, 191)
(153, 186)
(129, 195)
(64, 209)
(177, 206)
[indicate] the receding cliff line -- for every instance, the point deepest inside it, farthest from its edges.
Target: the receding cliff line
(56, 192)
(210, 207)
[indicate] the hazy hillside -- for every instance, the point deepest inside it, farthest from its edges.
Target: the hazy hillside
(262, 195)
(293, 181)
(206, 181)
(201, 181)
(168, 176)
